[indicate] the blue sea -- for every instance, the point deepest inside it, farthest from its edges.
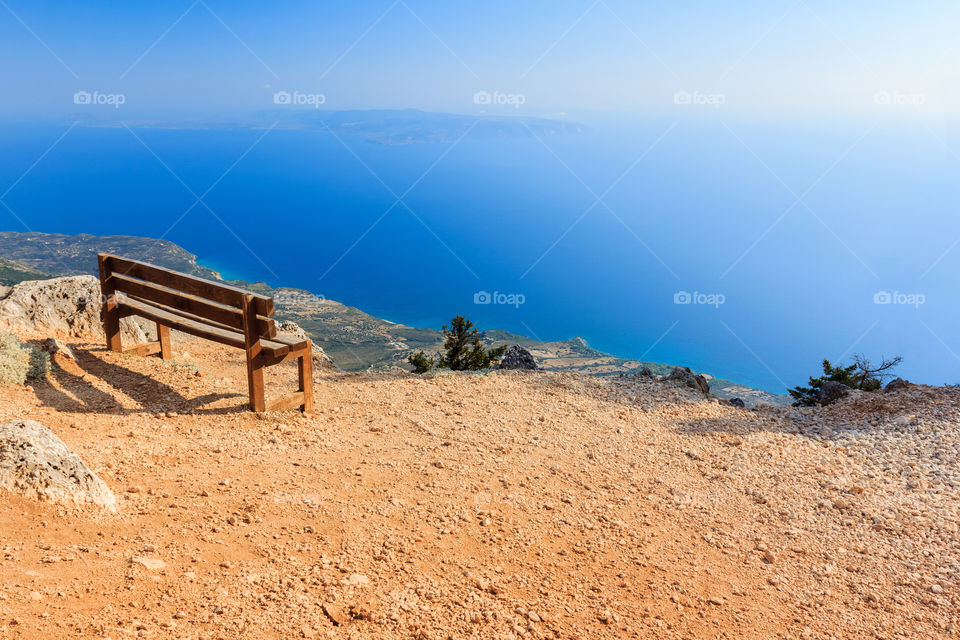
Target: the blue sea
(747, 248)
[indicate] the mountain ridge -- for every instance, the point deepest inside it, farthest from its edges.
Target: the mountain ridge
(381, 126)
(354, 339)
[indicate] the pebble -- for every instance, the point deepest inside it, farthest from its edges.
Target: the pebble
(337, 614)
(153, 564)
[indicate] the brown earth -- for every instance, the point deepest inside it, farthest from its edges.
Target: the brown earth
(536, 505)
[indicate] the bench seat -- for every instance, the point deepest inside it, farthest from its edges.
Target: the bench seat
(277, 347)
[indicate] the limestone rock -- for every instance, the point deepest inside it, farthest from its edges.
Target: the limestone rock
(518, 358)
(320, 359)
(54, 347)
(35, 462)
(832, 391)
(152, 564)
(897, 384)
(69, 306)
(688, 378)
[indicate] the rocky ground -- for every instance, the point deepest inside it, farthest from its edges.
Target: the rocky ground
(504, 505)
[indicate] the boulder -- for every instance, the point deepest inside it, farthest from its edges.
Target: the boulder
(645, 373)
(737, 402)
(320, 359)
(36, 463)
(832, 391)
(54, 347)
(518, 358)
(686, 377)
(69, 306)
(897, 384)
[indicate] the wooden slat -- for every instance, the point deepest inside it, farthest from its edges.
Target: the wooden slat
(125, 297)
(218, 292)
(296, 351)
(130, 307)
(292, 401)
(221, 314)
(295, 344)
(267, 323)
(177, 301)
(146, 349)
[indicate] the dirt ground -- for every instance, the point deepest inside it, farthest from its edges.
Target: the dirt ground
(477, 506)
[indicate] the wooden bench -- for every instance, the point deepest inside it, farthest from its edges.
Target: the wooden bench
(205, 309)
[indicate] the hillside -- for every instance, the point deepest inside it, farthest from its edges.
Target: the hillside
(389, 127)
(13, 272)
(63, 255)
(355, 340)
(500, 505)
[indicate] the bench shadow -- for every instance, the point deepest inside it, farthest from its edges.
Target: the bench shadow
(151, 395)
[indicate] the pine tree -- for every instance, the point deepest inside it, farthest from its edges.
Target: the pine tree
(464, 350)
(809, 396)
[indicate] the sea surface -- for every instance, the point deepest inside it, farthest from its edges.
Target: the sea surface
(750, 249)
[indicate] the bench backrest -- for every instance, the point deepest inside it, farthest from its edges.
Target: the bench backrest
(186, 295)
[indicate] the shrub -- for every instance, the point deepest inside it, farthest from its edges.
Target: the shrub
(20, 362)
(464, 351)
(862, 375)
(421, 363)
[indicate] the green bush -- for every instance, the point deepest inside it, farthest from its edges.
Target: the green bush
(421, 363)
(20, 362)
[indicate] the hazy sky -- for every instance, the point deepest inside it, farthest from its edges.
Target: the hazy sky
(777, 55)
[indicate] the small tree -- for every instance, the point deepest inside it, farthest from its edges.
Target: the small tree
(464, 351)
(421, 363)
(869, 377)
(862, 375)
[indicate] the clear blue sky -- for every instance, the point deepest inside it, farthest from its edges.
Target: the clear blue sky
(186, 56)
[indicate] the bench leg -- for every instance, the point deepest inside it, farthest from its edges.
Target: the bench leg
(255, 383)
(111, 327)
(163, 337)
(305, 371)
(252, 346)
(110, 313)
